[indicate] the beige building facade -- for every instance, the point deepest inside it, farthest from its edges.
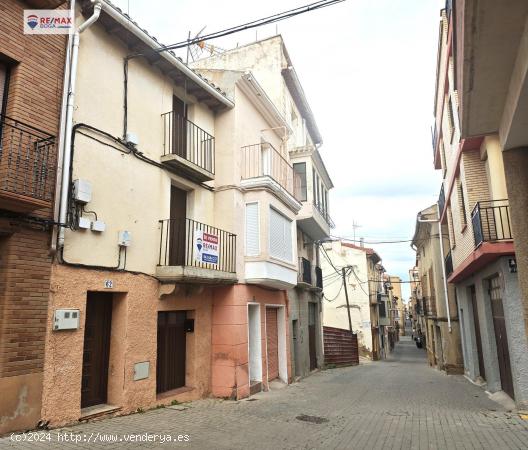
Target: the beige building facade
(269, 62)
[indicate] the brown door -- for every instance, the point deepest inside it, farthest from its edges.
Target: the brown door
(501, 337)
(172, 340)
(476, 323)
(272, 343)
(96, 348)
(177, 227)
(179, 127)
(311, 335)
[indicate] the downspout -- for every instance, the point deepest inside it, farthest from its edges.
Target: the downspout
(66, 162)
(440, 237)
(62, 122)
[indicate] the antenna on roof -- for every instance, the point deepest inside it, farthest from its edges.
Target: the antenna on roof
(197, 49)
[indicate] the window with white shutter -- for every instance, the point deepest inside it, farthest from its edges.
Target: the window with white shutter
(280, 238)
(252, 229)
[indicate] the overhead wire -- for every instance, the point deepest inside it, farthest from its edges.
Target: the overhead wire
(246, 26)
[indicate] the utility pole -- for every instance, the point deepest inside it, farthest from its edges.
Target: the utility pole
(343, 272)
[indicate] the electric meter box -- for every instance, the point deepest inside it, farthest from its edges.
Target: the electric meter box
(82, 191)
(124, 238)
(66, 319)
(98, 225)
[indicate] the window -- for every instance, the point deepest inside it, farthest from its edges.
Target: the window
(314, 186)
(299, 169)
(461, 203)
(450, 227)
(4, 84)
(443, 156)
(451, 119)
(252, 230)
(280, 236)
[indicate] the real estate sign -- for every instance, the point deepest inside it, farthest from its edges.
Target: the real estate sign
(205, 247)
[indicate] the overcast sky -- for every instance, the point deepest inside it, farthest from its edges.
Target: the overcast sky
(368, 70)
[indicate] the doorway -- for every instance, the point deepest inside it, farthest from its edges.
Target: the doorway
(96, 351)
(296, 347)
(177, 226)
(272, 340)
(255, 348)
(312, 343)
(172, 343)
(179, 127)
(476, 324)
(501, 337)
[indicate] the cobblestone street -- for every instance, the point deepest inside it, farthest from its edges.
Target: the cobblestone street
(397, 404)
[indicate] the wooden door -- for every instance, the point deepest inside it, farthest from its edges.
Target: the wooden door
(172, 342)
(177, 227)
(311, 335)
(501, 337)
(96, 350)
(476, 323)
(179, 127)
(272, 340)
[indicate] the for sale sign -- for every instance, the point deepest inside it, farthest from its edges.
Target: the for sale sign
(205, 247)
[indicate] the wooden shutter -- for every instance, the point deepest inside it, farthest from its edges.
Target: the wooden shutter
(3, 78)
(252, 230)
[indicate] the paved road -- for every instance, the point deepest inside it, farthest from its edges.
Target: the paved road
(396, 404)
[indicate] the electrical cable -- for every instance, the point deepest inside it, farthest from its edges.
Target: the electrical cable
(246, 26)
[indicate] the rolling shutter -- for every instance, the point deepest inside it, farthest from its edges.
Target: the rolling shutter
(280, 244)
(252, 230)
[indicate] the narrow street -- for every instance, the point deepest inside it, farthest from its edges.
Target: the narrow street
(399, 403)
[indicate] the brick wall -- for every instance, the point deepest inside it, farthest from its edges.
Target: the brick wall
(34, 97)
(475, 188)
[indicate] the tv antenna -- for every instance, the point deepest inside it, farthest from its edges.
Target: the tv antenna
(197, 50)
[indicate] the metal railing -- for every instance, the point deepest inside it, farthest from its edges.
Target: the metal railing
(186, 242)
(260, 160)
(431, 306)
(491, 221)
(449, 264)
(183, 138)
(434, 137)
(441, 200)
(325, 214)
(27, 160)
(318, 277)
(305, 271)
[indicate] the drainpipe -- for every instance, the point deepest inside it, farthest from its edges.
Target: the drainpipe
(443, 261)
(66, 150)
(62, 122)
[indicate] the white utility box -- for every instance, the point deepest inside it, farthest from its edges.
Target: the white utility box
(84, 223)
(124, 238)
(141, 370)
(131, 138)
(82, 191)
(66, 319)
(98, 225)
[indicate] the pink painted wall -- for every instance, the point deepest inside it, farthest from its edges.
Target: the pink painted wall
(133, 339)
(230, 367)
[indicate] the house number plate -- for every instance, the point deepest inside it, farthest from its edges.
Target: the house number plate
(108, 284)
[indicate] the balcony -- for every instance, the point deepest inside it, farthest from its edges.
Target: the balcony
(441, 200)
(448, 264)
(305, 273)
(318, 278)
(263, 167)
(193, 252)
(431, 306)
(315, 221)
(491, 222)
(187, 149)
(27, 166)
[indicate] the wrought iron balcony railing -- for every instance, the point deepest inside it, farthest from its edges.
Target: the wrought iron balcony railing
(187, 242)
(491, 221)
(27, 161)
(441, 200)
(305, 271)
(325, 215)
(187, 140)
(449, 264)
(263, 160)
(318, 277)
